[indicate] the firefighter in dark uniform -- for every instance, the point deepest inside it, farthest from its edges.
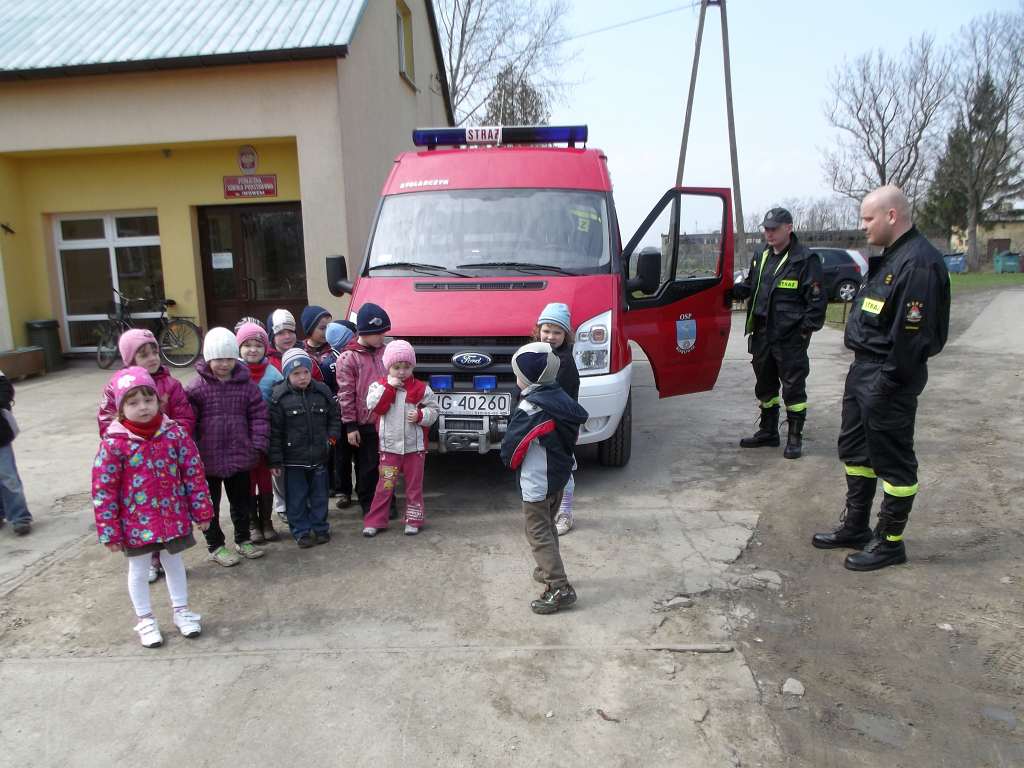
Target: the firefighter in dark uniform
(900, 318)
(786, 305)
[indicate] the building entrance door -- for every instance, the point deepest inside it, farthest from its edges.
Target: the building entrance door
(253, 261)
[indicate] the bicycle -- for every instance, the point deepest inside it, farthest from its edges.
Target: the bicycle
(179, 339)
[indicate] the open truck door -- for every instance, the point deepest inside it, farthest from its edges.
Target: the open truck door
(679, 277)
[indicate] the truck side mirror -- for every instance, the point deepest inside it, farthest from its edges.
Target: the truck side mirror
(337, 276)
(648, 272)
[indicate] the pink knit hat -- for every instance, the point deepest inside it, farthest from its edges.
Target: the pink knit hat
(132, 341)
(126, 380)
(399, 351)
(249, 331)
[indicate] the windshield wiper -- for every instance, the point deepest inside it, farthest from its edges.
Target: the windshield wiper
(522, 266)
(425, 268)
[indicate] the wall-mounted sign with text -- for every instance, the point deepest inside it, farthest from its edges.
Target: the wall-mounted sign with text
(250, 186)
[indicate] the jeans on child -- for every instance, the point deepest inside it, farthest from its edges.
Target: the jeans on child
(306, 499)
(391, 466)
(12, 493)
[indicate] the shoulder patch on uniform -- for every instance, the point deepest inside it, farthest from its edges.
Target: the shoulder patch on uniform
(915, 311)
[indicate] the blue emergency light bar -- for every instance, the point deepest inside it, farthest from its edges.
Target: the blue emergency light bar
(500, 134)
(487, 383)
(441, 382)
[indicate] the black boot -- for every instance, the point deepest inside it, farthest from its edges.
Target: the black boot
(767, 432)
(554, 600)
(886, 546)
(853, 530)
(794, 440)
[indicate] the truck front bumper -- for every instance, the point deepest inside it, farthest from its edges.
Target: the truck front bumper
(604, 399)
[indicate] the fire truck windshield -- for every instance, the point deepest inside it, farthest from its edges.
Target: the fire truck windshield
(493, 231)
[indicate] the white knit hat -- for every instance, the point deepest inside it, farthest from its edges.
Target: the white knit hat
(281, 320)
(219, 344)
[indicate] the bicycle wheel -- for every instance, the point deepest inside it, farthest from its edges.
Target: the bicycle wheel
(106, 345)
(180, 342)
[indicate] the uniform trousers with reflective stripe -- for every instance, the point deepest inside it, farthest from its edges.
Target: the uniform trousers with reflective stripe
(776, 363)
(876, 439)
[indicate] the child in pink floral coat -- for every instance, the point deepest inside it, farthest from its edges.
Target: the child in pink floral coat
(148, 488)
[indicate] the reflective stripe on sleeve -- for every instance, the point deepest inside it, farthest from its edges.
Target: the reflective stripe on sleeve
(855, 471)
(901, 491)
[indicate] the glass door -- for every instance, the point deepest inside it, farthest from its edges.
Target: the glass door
(253, 261)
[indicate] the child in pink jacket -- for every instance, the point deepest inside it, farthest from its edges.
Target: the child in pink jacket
(360, 364)
(138, 347)
(148, 488)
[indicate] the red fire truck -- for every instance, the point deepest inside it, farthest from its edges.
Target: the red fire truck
(482, 227)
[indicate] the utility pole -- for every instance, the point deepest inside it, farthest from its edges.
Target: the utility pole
(730, 119)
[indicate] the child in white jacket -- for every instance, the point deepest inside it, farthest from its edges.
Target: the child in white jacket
(405, 409)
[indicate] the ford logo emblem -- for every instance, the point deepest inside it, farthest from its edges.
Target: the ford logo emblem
(471, 360)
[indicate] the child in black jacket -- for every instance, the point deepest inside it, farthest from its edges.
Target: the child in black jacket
(304, 423)
(539, 444)
(12, 494)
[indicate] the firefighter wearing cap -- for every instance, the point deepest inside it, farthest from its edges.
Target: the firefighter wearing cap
(786, 305)
(900, 318)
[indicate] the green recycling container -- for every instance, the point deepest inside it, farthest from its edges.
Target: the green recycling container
(1006, 262)
(46, 334)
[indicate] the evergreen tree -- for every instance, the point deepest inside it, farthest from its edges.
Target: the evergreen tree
(515, 101)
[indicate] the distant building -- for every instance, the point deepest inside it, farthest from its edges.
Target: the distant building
(212, 152)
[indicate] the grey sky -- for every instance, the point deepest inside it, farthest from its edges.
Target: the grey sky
(632, 86)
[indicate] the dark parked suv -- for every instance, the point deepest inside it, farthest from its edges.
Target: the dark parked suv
(842, 273)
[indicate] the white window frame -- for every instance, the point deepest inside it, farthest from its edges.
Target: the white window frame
(111, 242)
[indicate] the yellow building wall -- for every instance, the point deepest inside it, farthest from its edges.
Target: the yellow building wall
(97, 181)
(1010, 230)
(19, 274)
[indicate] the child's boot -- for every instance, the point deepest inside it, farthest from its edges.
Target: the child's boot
(265, 506)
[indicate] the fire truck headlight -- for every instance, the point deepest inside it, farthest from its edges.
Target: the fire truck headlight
(593, 347)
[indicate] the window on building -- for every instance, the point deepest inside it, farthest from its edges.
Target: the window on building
(98, 253)
(403, 22)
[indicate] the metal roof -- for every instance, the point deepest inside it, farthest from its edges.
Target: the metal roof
(40, 38)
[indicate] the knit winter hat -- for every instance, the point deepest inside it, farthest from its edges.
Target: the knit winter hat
(251, 331)
(311, 316)
(556, 314)
(293, 358)
(280, 320)
(372, 319)
(220, 344)
(130, 378)
(536, 363)
(399, 351)
(338, 335)
(249, 319)
(132, 341)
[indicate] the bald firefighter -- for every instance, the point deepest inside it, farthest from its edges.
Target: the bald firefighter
(900, 318)
(786, 305)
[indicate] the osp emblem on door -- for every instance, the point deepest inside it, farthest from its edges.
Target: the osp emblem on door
(686, 334)
(471, 360)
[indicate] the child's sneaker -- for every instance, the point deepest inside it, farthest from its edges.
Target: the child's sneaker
(188, 623)
(321, 538)
(224, 556)
(270, 534)
(155, 572)
(305, 540)
(256, 535)
(411, 530)
(563, 522)
(369, 532)
(344, 501)
(248, 551)
(553, 600)
(149, 633)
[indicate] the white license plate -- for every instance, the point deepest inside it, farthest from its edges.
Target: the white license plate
(475, 403)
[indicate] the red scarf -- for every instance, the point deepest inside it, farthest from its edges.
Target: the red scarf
(256, 370)
(145, 430)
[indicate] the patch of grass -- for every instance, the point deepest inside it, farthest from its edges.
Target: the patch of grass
(976, 281)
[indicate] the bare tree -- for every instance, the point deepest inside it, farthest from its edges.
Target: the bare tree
(989, 112)
(886, 111)
(481, 38)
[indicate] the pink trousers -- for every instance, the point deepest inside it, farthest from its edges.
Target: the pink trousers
(391, 465)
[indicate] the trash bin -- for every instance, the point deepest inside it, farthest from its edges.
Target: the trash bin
(46, 334)
(956, 262)
(1006, 262)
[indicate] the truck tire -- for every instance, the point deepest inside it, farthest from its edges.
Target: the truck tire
(614, 452)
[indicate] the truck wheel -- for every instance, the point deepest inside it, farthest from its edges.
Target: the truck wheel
(614, 452)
